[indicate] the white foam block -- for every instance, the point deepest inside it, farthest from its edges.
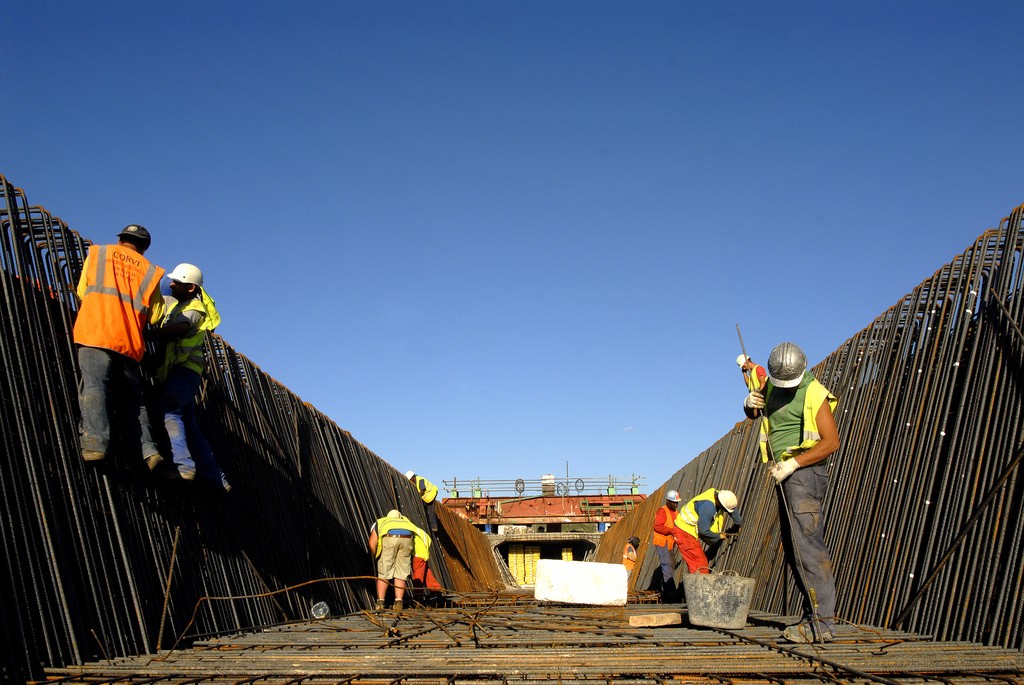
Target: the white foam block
(581, 582)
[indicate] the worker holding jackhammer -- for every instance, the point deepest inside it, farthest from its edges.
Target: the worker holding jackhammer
(798, 434)
(702, 520)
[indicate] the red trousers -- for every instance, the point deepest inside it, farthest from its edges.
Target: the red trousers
(693, 553)
(423, 576)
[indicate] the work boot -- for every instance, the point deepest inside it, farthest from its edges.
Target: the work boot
(398, 605)
(153, 460)
(805, 634)
(93, 455)
(379, 606)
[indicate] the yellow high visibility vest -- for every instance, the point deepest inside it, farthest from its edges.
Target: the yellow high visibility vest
(814, 395)
(427, 490)
(386, 525)
(687, 517)
(752, 379)
(188, 351)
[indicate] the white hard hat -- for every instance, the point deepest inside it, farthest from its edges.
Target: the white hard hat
(410, 474)
(672, 496)
(394, 514)
(741, 360)
(727, 498)
(187, 273)
(786, 365)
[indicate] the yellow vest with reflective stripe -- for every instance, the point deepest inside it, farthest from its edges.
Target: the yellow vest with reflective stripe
(386, 525)
(188, 351)
(687, 517)
(426, 490)
(420, 544)
(815, 394)
(753, 381)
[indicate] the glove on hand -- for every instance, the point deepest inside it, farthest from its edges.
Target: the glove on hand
(781, 470)
(755, 400)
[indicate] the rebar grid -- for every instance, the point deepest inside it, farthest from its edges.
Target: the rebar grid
(101, 563)
(551, 643)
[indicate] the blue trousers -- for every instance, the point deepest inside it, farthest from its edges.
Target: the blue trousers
(189, 448)
(803, 538)
(108, 378)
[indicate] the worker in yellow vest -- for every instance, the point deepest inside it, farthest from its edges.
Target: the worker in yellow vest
(423, 580)
(797, 437)
(191, 313)
(120, 294)
(754, 375)
(702, 521)
(391, 541)
(428, 493)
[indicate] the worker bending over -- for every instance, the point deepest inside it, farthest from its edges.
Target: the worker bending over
(797, 437)
(702, 520)
(391, 541)
(423, 580)
(428, 493)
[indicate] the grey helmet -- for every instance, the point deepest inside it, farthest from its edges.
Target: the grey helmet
(786, 365)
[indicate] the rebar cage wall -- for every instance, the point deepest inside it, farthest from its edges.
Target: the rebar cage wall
(923, 510)
(103, 562)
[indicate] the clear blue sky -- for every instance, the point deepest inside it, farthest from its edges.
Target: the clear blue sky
(492, 239)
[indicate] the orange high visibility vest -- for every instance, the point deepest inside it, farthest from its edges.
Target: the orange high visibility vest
(661, 539)
(116, 288)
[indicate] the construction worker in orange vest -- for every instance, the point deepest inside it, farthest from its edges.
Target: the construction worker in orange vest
(629, 554)
(664, 543)
(120, 293)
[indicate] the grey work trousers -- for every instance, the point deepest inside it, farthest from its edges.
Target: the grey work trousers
(803, 538)
(109, 378)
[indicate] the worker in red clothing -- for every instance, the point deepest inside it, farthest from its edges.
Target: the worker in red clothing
(664, 542)
(754, 375)
(423, 581)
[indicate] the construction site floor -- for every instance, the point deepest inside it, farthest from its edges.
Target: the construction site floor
(482, 640)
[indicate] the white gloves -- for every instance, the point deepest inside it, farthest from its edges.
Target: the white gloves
(755, 400)
(781, 470)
